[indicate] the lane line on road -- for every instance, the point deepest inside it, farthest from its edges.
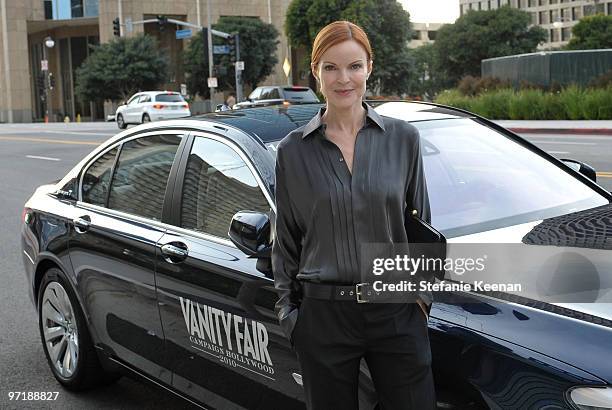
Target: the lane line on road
(557, 152)
(49, 141)
(604, 174)
(564, 142)
(45, 158)
(79, 133)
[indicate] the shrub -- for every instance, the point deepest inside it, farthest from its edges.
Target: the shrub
(494, 105)
(454, 98)
(597, 104)
(603, 81)
(472, 86)
(526, 105)
(572, 98)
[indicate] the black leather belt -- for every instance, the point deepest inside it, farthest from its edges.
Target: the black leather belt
(357, 293)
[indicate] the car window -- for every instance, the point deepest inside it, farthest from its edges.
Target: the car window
(133, 100)
(144, 98)
(274, 94)
(265, 94)
(139, 182)
(97, 178)
(218, 183)
(255, 94)
(169, 98)
(479, 179)
(300, 94)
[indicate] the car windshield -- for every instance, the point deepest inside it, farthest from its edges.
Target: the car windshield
(300, 94)
(169, 98)
(479, 180)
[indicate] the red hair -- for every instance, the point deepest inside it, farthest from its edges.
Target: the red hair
(335, 33)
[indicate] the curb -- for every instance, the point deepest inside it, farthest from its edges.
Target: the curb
(585, 131)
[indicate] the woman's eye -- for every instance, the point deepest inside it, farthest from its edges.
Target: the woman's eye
(356, 66)
(328, 67)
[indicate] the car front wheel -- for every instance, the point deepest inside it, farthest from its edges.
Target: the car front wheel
(146, 118)
(120, 122)
(65, 337)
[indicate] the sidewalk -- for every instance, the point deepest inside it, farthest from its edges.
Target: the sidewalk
(558, 127)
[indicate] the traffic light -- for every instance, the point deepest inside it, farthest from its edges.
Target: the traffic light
(40, 82)
(205, 41)
(231, 43)
(51, 81)
(162, 21)
(116, 27)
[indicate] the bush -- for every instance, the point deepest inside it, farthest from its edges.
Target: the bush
(571, 99)
(454, 98)
(494, 105)
(526, 105)
(597, 104)
(603, 81)
(472, 86)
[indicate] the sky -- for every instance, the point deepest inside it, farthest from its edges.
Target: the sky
(432, 11)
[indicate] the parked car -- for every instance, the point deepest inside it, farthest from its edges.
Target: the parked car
(151, 257)
(149, 106)
(272, 95)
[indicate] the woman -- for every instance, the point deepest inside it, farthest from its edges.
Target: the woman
(346, 179)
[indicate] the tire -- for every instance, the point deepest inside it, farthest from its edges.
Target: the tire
(65, 337)
(146, 118)
(120, 122)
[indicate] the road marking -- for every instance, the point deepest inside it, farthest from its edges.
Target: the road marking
(49, 141)
(79, 133)
(45, 158)
(557, 152)
(563, 142)
(604, 174)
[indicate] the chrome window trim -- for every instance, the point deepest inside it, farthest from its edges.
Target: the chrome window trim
(244, 157)
(183, 134)
(158, 224)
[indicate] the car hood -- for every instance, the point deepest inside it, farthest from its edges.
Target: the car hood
(578, 333)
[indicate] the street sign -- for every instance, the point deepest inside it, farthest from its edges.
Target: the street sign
(185, 33)
(129, 26)
(183, 89)
(44, 65)
(212, 82)
(224, 49)
(240, 65)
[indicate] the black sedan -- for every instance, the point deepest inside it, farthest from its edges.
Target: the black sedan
(151, 257)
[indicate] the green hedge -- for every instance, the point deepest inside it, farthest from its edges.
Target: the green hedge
(571, 103)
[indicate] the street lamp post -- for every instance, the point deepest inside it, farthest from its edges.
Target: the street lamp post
(49, 43)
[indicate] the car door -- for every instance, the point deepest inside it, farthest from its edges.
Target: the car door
(116, 226)
(224, 342)
(130, 113)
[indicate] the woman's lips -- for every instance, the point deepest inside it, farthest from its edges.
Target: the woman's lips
(343, 93)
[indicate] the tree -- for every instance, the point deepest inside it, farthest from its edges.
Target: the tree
(478, 35)
(427, 80)
(385, 21)
(258, 42)
(592, 32)
(118, 69)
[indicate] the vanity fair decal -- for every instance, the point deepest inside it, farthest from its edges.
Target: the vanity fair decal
(234, 340)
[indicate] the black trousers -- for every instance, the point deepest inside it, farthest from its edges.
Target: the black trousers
(331, 337)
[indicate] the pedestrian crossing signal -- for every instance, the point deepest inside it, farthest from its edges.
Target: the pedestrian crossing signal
(116, 27)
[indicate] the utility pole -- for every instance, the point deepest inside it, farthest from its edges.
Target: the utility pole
(210, 53)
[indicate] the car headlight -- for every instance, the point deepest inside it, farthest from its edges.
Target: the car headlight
(591, 398)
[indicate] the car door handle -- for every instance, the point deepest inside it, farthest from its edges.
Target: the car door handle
(175, 253)
(82, 223)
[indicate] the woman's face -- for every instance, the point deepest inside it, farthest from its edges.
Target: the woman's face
(342, 73)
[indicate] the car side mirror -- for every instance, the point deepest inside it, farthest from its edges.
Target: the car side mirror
(584, 169)
(250, 232)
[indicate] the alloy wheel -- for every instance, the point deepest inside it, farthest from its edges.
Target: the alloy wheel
(60, 329)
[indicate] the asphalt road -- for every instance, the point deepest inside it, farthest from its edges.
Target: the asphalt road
(33, 154)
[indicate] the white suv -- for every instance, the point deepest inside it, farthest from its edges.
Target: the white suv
(151, 106)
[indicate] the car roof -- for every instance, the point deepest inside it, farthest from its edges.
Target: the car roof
(272, 123)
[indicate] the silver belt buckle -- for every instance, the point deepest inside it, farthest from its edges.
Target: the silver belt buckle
(359, 292)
